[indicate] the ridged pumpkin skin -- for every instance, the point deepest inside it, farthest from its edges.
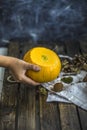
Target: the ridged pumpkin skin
(48, 61)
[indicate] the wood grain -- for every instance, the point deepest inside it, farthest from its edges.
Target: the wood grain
(68, 112)
(9, 94)
(26, 107)
(82, 113)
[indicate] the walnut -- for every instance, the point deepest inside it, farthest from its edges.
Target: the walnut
(57, 87)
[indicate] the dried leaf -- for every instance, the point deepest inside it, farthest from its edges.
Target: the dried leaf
(67, 80)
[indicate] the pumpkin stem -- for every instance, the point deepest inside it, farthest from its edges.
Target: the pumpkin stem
(44, 57)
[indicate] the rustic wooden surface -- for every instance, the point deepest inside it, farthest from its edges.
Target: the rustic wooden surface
(23, 108)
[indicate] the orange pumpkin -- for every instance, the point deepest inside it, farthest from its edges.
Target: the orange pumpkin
(48, 61)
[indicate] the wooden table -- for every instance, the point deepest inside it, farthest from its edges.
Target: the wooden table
(22, 107)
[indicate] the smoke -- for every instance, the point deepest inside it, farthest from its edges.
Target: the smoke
(45, 20)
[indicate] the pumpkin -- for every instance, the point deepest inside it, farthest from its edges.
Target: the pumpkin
(48, 61)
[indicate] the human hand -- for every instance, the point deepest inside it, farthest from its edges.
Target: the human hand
(18, 69)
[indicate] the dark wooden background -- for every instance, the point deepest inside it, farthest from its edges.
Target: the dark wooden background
(23, 108)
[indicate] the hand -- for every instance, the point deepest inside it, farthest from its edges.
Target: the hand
(18, 69)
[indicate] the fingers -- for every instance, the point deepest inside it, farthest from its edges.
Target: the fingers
(33, 67)
(29, 81)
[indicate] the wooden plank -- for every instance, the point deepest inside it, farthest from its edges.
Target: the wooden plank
(73, 48)
(69, 117)
(3, 51)
(83, 118)
(83, 45)
(9, 89)
(8, 103)
(82, 113)
(59, 48)
(68, 113)
(27, 100)
(41, 122)
(49, 112)
(26, 111)
(49, 115)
